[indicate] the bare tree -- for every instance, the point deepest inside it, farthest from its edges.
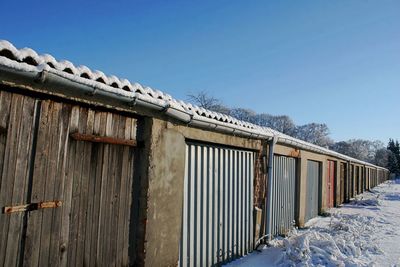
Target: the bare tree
(365, 150)
(315, 133)
(204, 100)
(281, 123)
(382, 157)
(243, 114)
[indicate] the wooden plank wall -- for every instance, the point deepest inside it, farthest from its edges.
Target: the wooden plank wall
(17, 115)
(93, 180)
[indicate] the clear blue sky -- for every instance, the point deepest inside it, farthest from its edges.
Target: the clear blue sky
(336, 62)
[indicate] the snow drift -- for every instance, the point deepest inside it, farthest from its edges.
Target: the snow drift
(364, 232)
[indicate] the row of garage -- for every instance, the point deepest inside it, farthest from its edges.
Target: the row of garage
(222, 220)
(329, 184)
(96, 171)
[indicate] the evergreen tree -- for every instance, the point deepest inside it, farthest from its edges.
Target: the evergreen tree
(394, 156)
(397, 152)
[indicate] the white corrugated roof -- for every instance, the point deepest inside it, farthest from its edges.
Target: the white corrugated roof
(28, 60)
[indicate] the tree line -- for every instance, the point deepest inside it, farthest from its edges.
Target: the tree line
(374, 152)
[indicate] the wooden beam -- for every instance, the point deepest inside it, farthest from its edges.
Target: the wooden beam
(103, 139)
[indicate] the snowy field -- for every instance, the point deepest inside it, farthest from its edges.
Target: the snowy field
(365, 232)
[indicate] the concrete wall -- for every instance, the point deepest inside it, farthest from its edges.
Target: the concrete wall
(163, 193)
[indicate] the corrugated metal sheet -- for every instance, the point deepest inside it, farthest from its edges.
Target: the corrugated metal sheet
(283, 195)
(217, 224)
(343, 182)
(352, 181)
(347, 190)
(359, 181)
(363, 178)
(313, 189)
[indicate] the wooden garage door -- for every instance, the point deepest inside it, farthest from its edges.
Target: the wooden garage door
(82, 169)
(330, 183)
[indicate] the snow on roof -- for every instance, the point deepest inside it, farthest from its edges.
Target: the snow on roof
(28, 60)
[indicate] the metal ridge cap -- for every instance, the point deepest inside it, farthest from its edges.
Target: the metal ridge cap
(212, 124)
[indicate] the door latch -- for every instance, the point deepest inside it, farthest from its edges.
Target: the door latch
(33, 206)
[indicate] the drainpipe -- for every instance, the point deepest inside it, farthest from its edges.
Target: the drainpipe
(268, 188)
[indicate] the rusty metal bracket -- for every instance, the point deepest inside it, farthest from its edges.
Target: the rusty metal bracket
(32, 206)
(103, 139)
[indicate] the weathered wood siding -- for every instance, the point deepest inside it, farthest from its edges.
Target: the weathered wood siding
(92, 180)
(17, 117)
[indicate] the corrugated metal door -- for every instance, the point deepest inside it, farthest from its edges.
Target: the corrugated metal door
(360, 178)
(364, 178)
(330, 183)
(217, 224)
(283, 195)
(342, 182)
(352, 181)
(371, 179)
(348, 183)
(313, 189)
(357, 180)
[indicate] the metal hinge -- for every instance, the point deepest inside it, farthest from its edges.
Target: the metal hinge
(33, 206)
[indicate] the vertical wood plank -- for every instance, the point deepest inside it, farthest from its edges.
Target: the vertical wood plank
(119, 196)
(32, 253)
(91, 182)
(108, 235)
(103, 194)
(56, 245)
(87, 127)
(5, 104)
(65, 246)
(98, 159)
(50, 159)
(8, 172)
(15, 150)
(76, 191)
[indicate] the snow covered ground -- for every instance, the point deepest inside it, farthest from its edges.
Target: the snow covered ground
(365, 232)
